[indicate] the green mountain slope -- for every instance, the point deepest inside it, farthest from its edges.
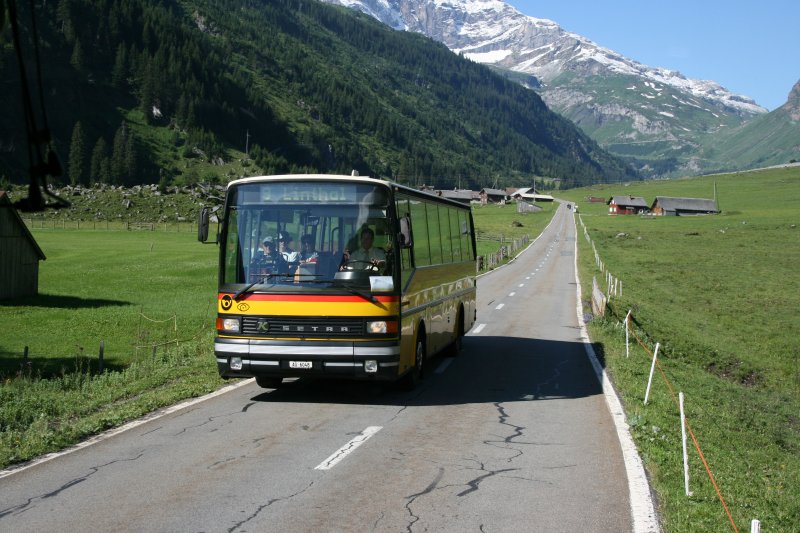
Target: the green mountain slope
(176, 92)
(657, 128)
(771, 139)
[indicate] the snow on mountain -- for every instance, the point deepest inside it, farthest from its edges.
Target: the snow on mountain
(495, 33)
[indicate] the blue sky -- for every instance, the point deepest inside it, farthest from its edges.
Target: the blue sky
(750, 48)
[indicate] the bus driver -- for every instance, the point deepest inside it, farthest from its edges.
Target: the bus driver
(366, 257)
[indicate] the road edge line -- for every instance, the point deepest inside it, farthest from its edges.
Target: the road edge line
(643, 511)
(149, 417)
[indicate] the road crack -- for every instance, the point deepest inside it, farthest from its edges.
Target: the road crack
(29, 504)
(412, 498)
(260, 508)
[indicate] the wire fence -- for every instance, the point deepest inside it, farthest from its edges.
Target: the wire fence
(600, 299)
(111, 225)
(508, 248)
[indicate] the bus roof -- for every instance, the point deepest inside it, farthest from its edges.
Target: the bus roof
(352, 179)
(308, 177)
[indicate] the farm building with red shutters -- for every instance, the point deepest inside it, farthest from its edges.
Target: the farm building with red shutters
(627, 205)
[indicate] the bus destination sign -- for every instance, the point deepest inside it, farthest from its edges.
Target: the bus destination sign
(317, 193)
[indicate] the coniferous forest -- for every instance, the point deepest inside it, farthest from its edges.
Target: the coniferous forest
(171, 92)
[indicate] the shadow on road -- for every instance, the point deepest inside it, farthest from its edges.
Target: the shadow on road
(489, 370)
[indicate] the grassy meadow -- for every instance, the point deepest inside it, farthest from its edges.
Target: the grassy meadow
(719, 293)
(496, 224)
(149, 298)
(721, 296)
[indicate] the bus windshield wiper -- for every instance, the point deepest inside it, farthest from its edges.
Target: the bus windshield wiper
(363, 294)
(248, 288)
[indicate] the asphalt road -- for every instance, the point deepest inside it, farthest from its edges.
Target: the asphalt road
(512, 435)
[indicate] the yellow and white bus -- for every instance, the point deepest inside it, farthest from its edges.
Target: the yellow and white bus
(295, 302)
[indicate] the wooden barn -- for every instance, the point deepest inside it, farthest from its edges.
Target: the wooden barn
(681, 207)
(463, 196)
(19, 254)
(493, 196)
(530, 195)
(627, 205)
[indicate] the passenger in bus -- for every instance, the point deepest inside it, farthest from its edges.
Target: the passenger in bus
(285, 248)
(366, 257)
(268, 259)
(307, 253)
(307, 258)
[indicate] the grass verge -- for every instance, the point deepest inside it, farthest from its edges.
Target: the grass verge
(720, 294)
(496, 225)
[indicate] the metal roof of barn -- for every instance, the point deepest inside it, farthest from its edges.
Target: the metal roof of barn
(629, 201)
(494, 192)
(696, 205)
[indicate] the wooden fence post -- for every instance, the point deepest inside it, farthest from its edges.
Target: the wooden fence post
(101, 357)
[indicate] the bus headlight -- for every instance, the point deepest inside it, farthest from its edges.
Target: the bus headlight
(228, 325)
(381, 327)
(370, 366)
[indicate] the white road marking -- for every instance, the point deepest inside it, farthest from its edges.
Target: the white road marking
(500, 306)
(521, 284)
(348, 448)
(478, 329)
(512, 293)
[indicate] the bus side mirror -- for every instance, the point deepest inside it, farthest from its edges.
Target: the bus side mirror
(404, 237)
(202, 225)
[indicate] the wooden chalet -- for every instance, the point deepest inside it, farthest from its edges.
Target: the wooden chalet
(627, 205)
(19, 254)
(530, 195)
(463, 196)
(493, 196)
(669, 206)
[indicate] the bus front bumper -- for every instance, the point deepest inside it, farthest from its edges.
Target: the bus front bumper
(271, 358)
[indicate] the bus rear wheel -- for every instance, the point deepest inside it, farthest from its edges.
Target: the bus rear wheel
(455, 347)
(268, 382)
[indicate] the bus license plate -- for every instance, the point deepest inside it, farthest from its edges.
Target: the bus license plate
(300, 364)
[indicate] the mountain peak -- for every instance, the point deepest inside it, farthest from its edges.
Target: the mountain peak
(495, 33)
(792, 104)
(655, 117)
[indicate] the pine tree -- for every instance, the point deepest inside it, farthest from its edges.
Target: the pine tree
(77, 55)
(77, 156)
(131, 160)
(99, 167)
(120, 70)
(118, 170)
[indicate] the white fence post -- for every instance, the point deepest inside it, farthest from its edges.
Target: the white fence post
(650, 379)
(683, 440)
(755, 526)
(627, 334)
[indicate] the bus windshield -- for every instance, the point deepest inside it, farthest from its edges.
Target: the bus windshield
(308, 236)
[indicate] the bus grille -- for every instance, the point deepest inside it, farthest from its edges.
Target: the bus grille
(267, 326)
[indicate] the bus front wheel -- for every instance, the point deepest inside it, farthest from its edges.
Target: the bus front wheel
(415, 375)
